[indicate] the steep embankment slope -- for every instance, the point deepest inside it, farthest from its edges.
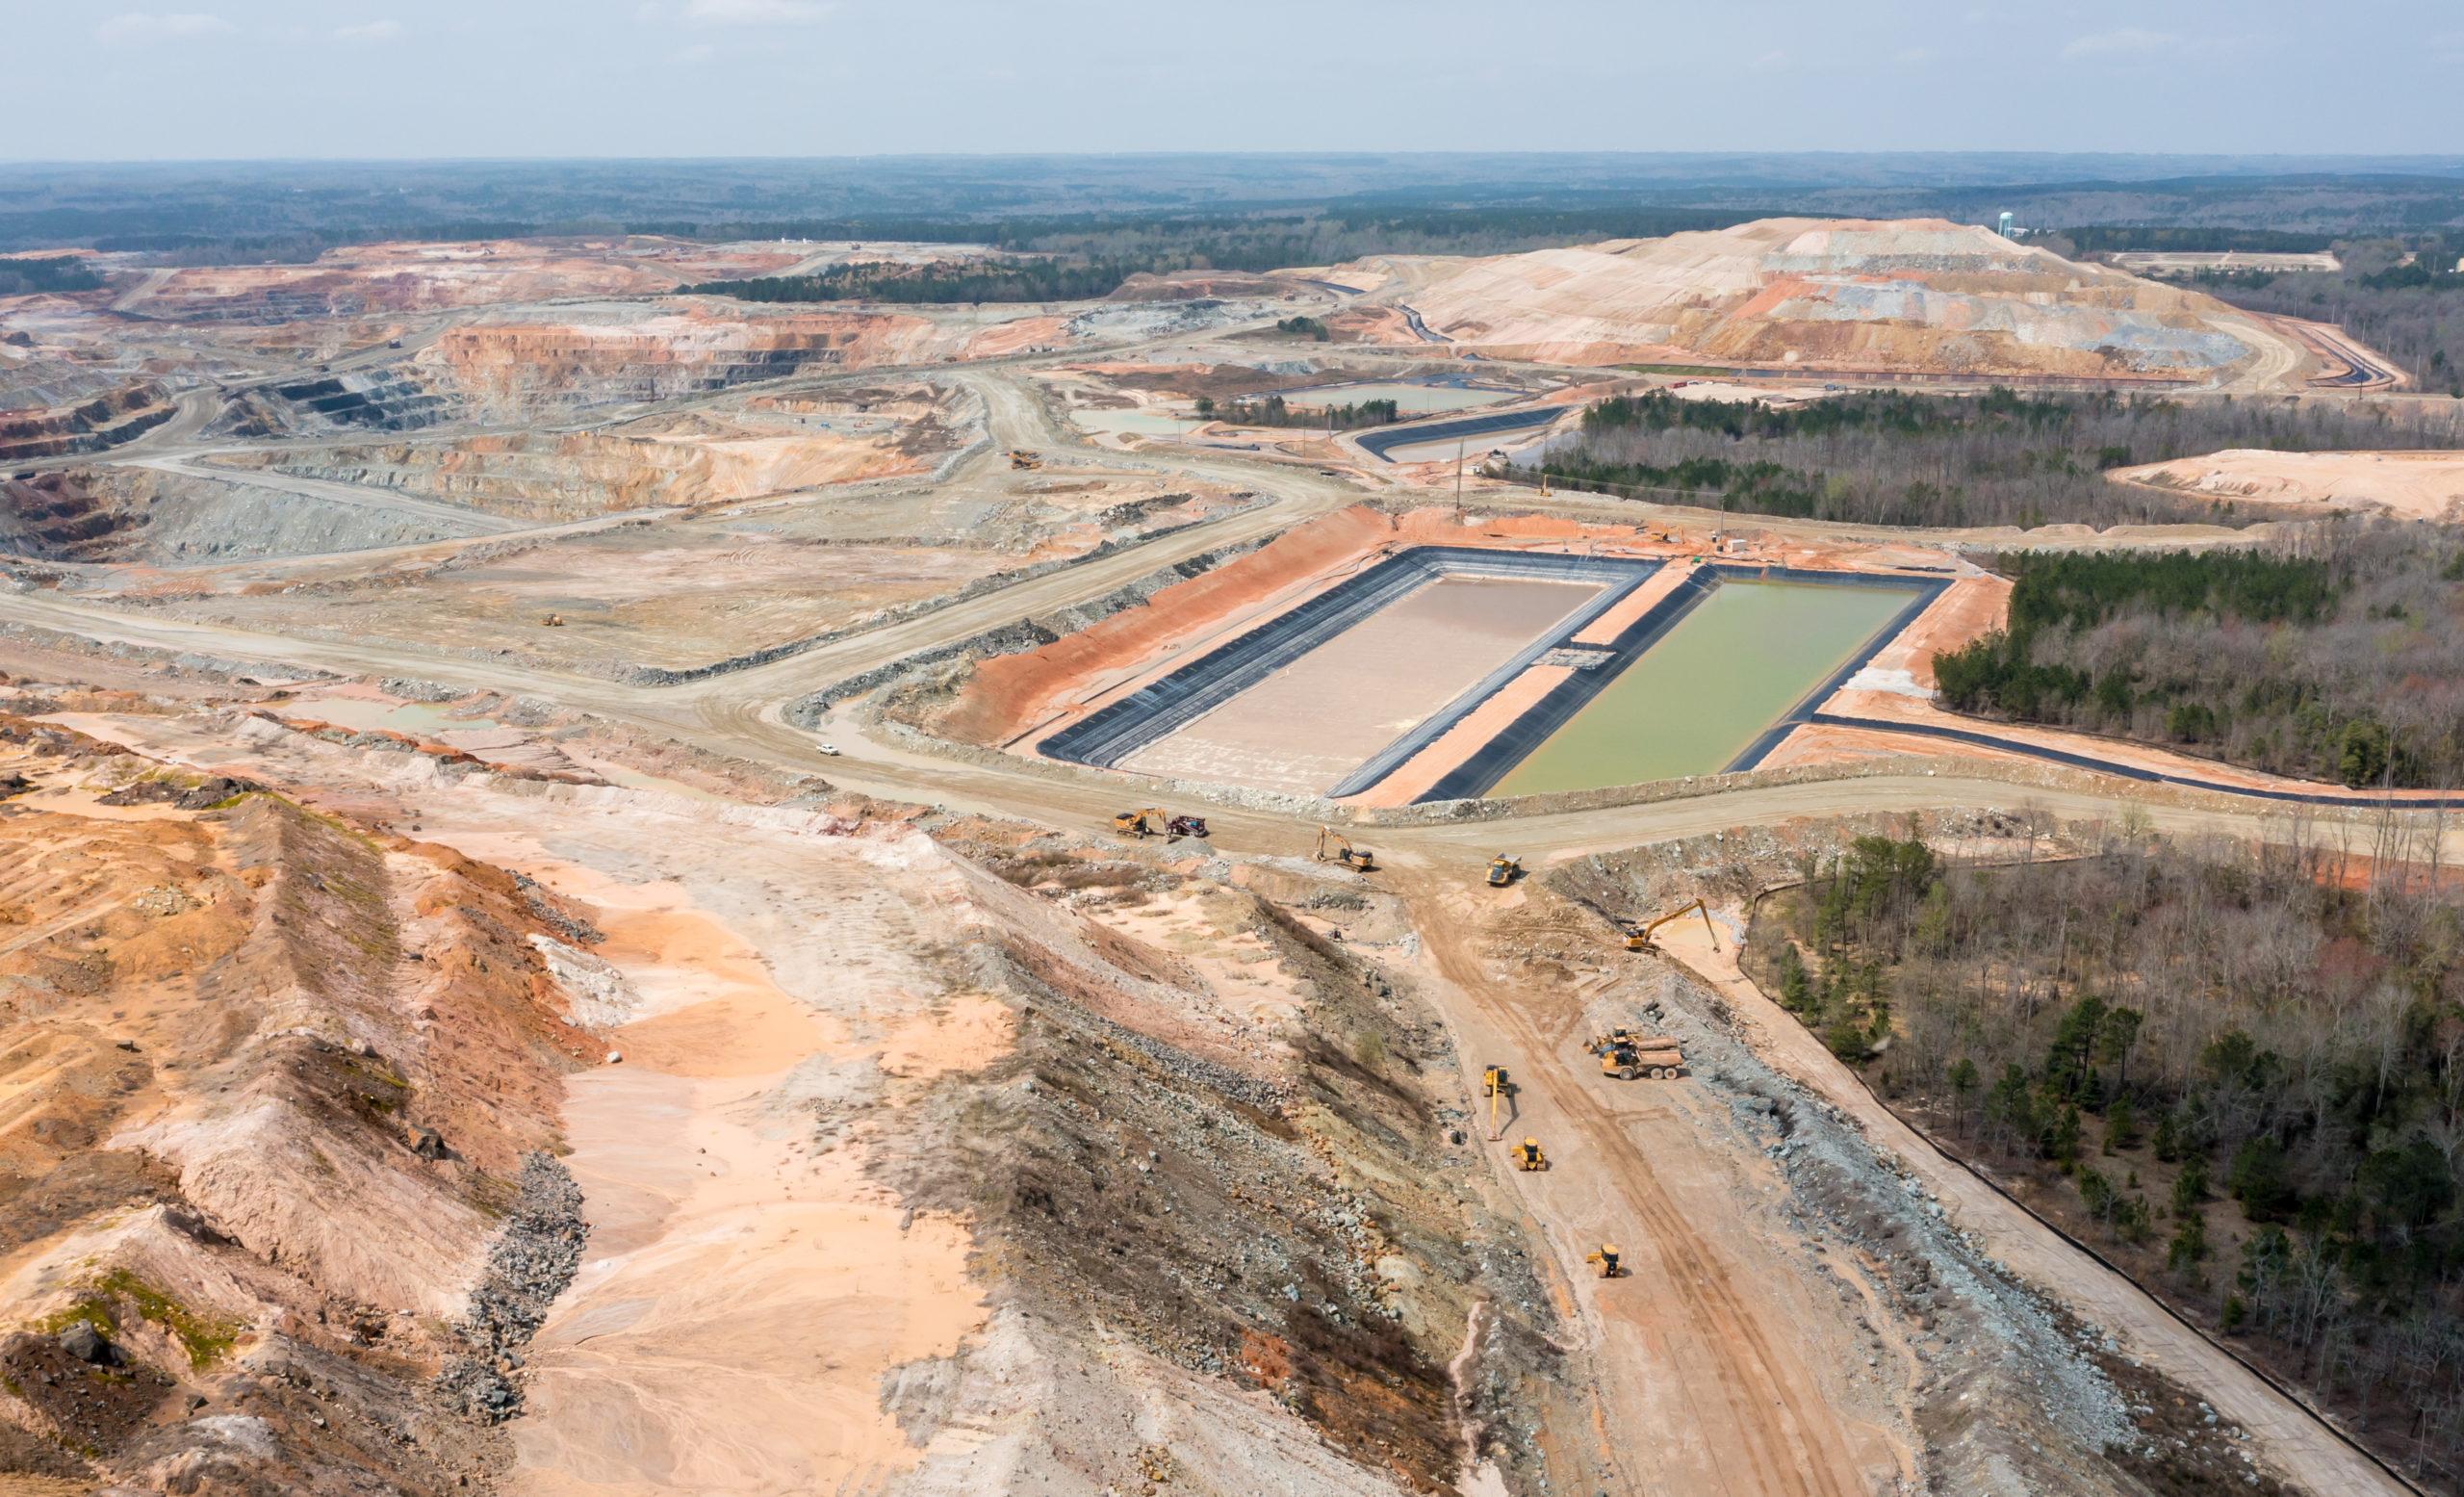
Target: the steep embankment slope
(271, 1091)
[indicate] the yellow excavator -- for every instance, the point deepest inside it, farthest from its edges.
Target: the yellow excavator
(1020, 457)
(1360, 860)
(1606, 1258)
(1153, 822)
(1494, 1083)
(1527, 1155)
(1503, 870)
(1638, 937)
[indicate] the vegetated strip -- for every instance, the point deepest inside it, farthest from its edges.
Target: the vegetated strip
(1896, 458)
(2291, 1393)
(983, 281)
(1479, 773)
(2344, 667)
(1164, 707)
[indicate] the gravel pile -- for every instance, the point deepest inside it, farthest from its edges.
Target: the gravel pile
(530, 1266)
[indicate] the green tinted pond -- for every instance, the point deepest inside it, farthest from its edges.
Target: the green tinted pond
(1728, 670)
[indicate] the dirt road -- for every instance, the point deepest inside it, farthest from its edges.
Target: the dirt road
(1724, 1374)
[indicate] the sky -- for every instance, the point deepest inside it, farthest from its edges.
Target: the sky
(429, 79)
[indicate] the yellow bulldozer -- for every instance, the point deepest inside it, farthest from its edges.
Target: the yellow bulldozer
(1360, 860)
(1607, 1257)
(1527, 1155)
(1020, 457)
(1638, 937)
(1503, 870)
(1626, 1055)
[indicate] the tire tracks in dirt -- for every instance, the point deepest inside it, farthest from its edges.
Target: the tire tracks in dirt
(1759, 1419)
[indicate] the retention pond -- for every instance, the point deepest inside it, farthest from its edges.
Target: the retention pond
(1721, 677)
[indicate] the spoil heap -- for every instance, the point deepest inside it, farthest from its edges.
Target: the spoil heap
(1922, 296)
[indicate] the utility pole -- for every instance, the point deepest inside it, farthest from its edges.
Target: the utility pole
(1458, 481)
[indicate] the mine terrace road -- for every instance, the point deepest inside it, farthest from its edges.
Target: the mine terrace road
(1752, 1401)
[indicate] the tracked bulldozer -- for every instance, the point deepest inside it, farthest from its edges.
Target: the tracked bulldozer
(1527, 1155)
(1020, 457)
(1638, 937)
(1360, 860)
(1607, 1257)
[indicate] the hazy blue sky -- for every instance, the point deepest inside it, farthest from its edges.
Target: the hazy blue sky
(462, 78)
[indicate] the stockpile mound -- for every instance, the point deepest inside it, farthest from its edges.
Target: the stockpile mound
(1923, 295)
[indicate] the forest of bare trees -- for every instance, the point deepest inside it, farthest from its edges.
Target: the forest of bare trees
(2344, 666)
(2236, 1067)
(2000, 458)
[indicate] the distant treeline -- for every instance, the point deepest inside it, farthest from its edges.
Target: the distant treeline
(49, 274)
(974, 280)
(2183, 239)
(2348, 667)
(1891, 457)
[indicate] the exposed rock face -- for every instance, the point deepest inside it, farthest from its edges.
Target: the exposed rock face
(144, 515)
(572, 477)
(88, 427)
(1852, 294)
(508, 372)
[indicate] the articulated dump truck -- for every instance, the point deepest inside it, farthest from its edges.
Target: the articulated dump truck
(1626, 1055)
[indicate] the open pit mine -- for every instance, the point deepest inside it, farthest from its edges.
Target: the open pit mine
(607, 891)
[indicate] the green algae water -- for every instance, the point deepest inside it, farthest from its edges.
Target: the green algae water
(1729, 668)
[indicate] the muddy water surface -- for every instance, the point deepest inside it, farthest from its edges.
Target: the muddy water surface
(1729, 668)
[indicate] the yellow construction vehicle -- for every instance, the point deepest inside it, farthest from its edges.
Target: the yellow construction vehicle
(1134, 823)
(1494, 1083)
(1360, 860)
(1638, 937)
(1527, 1155)
(1503, 870)
(1606, 1258)
(1626, 1055)
(1020, 457)
(552, 621)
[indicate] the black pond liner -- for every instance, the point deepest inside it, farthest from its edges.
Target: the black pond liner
(1477, 775)
(2135, 772)
(1377, 443)
(1164, 707)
